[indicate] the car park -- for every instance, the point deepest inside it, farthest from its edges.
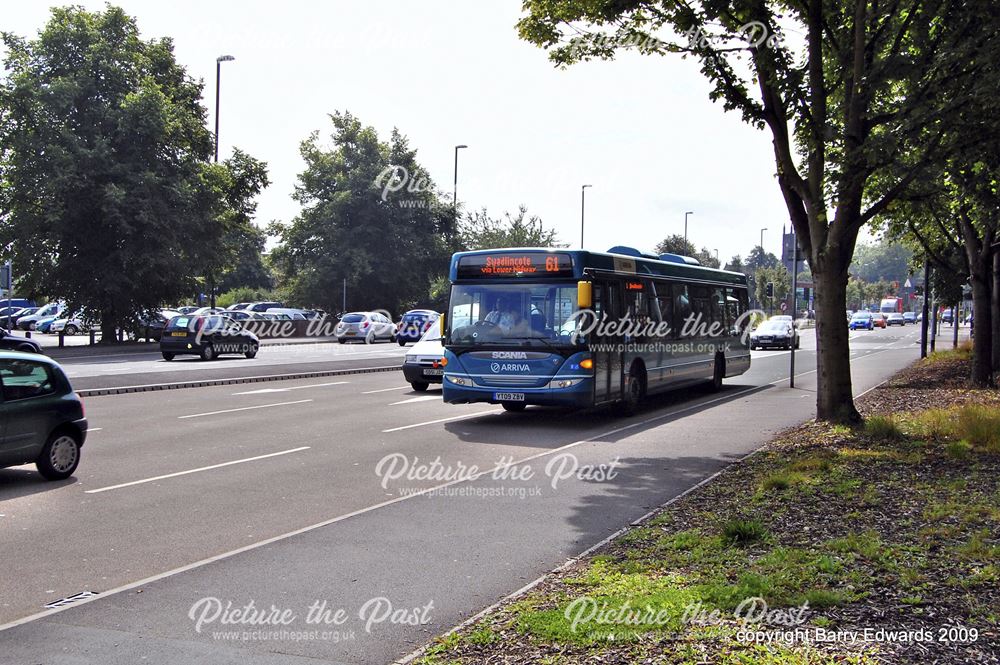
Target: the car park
(206, 336)
(151, 328)
(368, 327)
(909, 317)
(71, 325)
(9, 320)
(43, 418)
(861, 321)
(293, 314)
(774, 334)
(14, 343)
(51, 310)
(414, 324)
(263, 306)
(422, 363)
(895, 319)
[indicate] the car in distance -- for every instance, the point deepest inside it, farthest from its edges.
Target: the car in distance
(151, 328)
(422, 364)
(414, 324)
(206, 336)
(368, 327)
(894, 319)
(774, 334)
(263, 306)
(878, 318)
(53, 309)
(947, 316)
(44, 419)
(909, 317)
(71, 325)
(861, 321)
(14, 343)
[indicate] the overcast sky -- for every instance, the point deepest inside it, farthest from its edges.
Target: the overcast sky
(640, 129)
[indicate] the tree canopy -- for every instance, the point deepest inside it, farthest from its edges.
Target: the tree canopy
(108, 200)
(371, 216)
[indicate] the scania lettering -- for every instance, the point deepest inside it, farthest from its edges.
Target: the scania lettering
(580, 329)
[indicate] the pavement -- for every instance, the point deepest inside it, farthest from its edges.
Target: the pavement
(354, 492)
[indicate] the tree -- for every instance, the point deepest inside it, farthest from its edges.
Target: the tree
(370, 216)
(778, 276)
(480, 231)
(240, 262)
(676, 244)
(107, 199)
(887, 259)
(860, 92)
(758, 259)
(736, 264)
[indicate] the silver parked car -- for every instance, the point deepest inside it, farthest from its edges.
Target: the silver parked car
(368, 327)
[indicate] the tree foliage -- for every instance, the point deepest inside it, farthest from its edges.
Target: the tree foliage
(859, 91)
(107, 198)
(370, 216)
(480, 231)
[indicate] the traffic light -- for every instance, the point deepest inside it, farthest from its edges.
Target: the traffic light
(769, 289)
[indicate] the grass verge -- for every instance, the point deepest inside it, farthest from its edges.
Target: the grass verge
(831, 545)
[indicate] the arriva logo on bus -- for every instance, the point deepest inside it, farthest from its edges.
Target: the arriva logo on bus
(510, 367)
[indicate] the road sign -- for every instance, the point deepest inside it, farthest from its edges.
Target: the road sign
(784, 306)
(6, 276)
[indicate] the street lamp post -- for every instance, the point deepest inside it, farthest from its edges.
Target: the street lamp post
(218, 82)
(583, 202)
(762, 240)
(218, 76)
(717, 258)
(686, 224)
(454, 199)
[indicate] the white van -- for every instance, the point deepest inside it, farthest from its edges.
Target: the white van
(421, 366)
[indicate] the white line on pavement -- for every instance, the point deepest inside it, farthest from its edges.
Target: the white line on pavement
(383, 390)
(418, 399)
(95, 429)
(283, 390)
(203, 468)
(245, 408)
(440, 420)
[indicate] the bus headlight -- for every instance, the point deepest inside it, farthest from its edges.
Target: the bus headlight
(457, 380)
(562, 383)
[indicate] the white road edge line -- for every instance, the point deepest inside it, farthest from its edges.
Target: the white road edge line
(95, 429)
(361, 511)
(203, 468)
(243, 408)
(282, 390)
(414, 400)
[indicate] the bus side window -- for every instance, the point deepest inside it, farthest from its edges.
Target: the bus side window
(682, 306)
(718, 305)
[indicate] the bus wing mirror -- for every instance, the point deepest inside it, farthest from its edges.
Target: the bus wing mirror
(584, 295)
(441, 323)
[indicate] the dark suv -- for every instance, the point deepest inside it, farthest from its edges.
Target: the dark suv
(41, 418)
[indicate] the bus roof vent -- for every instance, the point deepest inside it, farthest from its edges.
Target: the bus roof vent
(677, 258)
(626, 251)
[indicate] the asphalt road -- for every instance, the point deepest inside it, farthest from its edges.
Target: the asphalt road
(114, 370)
(272, 495)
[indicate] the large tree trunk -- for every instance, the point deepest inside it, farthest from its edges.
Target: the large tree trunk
(834, 398)
(982, 347)
(108, 327)
(995, 310)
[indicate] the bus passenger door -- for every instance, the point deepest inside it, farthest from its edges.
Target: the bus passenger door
(604, 348)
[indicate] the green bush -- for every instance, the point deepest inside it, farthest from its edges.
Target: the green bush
(743, 532)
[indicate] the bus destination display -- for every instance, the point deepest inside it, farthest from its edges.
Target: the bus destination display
(510, 264)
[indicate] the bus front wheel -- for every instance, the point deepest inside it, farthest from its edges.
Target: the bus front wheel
(513, 407)
(635, 390)
(719, 373)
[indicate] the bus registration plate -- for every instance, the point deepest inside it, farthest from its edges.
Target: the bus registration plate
(508, 397)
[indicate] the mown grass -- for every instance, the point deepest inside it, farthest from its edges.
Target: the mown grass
(834, 549)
